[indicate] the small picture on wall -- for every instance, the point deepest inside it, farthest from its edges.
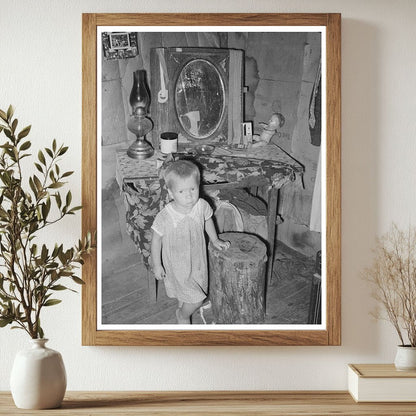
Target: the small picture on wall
(119, 40)
(119, 45)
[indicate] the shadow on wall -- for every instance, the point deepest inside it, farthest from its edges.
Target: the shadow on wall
(361, 187)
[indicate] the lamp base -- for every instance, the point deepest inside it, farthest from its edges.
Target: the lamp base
(140, 149)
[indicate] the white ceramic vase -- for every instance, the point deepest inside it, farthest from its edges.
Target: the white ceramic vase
(405, 358)
(38, 377)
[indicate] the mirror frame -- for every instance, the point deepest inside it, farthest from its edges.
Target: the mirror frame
(164, 115)
(331, 335)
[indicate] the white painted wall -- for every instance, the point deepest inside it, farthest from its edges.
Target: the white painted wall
(40, 73)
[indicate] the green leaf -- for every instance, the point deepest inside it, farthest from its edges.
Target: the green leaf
(39, 167)
(34, 249)
(15, 153)
(58, 199)
(44, 253)
(66, 273)
(37, 183)
(54, 145)
(72, 210)
(76, 279)
(3, 115)
(40, 331)
(25, 145)
(56, 185)
(41, 157)
(49, 152)
(54, 276)
(59, 287)
(14, 125)
(62, 257)
(5, 321)
(51, 302)
(52, 176)
(33, 187)
(8, 133)
(34, 226)
(55, 251)
(24, 132)
(67, 174)
(45, 211)
(63, 150)
(10, 112)
(68, 199)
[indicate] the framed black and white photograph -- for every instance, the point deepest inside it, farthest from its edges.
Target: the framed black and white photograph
(240, 113)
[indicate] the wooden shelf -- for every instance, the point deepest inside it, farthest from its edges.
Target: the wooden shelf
(178, 403)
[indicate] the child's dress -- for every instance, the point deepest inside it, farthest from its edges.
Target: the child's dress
(184, 254)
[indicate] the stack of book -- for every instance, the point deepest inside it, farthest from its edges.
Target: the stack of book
(381, 383)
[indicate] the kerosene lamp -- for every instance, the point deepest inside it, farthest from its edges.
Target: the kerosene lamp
(139, 123)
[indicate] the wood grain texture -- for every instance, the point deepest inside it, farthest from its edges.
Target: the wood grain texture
(380, 371)
(238, 278)
(333, 178)
(89, 173)
(317, 403)
(330, 336)
(212, 19)
(272, 203)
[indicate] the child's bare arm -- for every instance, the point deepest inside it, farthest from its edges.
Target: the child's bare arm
(212, 234)
(156, 254)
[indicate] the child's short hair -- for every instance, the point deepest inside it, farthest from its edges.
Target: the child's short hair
(181, 169)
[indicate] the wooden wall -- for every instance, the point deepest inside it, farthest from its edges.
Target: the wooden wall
(280, 74)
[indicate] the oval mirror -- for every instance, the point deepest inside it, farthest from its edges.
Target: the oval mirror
(199, 98)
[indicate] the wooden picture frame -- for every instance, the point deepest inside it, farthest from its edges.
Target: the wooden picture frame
(331, 333)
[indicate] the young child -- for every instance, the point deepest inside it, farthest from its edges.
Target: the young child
(178, 250)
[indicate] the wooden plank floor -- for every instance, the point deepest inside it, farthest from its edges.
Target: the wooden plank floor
(129, 299)
(128, 294)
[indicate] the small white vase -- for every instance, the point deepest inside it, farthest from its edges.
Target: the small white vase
(38, 377)
(405, 358)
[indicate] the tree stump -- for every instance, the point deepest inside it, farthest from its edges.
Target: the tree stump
(237, 280)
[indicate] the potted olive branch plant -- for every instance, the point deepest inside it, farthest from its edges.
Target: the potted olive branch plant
(31, 273)
(393, 277)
